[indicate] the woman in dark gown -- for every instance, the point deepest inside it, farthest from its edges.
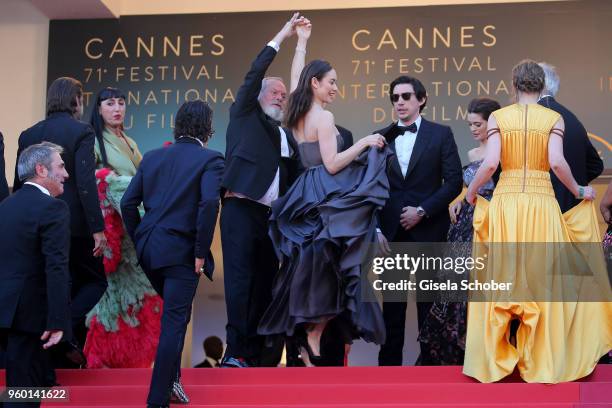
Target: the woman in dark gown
(325, 223)
(444, 328)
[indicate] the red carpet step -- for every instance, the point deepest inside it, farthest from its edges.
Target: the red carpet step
(333, 387)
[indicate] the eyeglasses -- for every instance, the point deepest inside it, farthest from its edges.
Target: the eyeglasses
(405, 96)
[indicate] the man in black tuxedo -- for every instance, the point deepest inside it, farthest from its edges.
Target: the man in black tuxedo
(261, 164)
(34, 246)
(179, 187)
(581, 156)
(425, 176)
(62, 127)
(4, 191)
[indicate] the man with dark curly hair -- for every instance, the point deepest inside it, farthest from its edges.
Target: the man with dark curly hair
(179, 186)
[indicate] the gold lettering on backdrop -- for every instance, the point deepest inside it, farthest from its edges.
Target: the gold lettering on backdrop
(467, 36)
(387, 38)
(175, 47)
(437, 34)
(119, 48)
(437, 113)
(487, 31)
(215, 40)
(410, 35)
(86, 97)
(147, 46)
(151, 98)
(141, 45)
(193, 44)
(88, 49)
(229, 96)
(354, 40)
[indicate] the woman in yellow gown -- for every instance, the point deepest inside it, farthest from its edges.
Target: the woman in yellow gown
(556, 340)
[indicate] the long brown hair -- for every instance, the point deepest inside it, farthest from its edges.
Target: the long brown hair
(300, 100)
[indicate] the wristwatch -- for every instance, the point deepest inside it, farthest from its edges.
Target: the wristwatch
(421, 212)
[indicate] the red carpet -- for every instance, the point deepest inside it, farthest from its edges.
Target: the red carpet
(359, 387)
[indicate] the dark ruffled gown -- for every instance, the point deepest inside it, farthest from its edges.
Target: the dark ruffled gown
(321, 229)
(445, 326)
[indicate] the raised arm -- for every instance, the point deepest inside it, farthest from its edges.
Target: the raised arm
(303, 30)
(489, 163)
(328, 144)
(246, 97)
(560, 167)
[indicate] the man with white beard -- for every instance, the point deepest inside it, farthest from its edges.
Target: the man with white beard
(260, 165)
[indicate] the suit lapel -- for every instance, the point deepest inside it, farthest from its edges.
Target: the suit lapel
(420, 145)
(390, 133)
(272, 131)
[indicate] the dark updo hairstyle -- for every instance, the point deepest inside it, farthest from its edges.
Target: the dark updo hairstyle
(194, 119)
(300, 100)
(528, 76)
(483, 106)
(96, 120)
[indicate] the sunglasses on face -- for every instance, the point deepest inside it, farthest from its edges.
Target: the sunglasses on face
(405, 96)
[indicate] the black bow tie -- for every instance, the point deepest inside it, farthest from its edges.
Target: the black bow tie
(412, 128)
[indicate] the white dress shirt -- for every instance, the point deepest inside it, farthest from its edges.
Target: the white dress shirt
(38, 186)
(404, 145)
(272, 193)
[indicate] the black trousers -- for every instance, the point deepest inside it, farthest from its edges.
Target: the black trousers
(27, 363)
(394, 314)
(249, 267)
(88, 283)
(177, 286)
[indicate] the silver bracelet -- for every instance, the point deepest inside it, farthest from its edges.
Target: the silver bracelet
(300, 50)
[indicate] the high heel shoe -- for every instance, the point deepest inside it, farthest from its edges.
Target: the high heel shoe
(302, 342)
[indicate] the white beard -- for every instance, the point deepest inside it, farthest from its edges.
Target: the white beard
(274, 112)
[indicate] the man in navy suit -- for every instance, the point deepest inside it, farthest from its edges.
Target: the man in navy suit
(425, 176)
(179, 188)
(581, 156)
(63, 127)
(34, 247)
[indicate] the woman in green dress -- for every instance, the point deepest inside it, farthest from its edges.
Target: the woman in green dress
(124, 325)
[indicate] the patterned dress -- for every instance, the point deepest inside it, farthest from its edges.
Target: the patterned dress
(124, 325)
(444, 328)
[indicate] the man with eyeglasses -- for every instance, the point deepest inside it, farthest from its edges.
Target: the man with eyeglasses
(425, 176)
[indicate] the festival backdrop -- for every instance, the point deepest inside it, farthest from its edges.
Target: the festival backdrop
(459, 52)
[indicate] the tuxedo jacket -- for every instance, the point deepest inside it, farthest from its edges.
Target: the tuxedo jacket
(432, 181)
(581, 156)
(4, 191)
(253, 145)
(80, 190)
(34, 247)
(179, 186)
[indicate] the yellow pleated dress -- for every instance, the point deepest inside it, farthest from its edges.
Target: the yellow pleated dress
(555, 341)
